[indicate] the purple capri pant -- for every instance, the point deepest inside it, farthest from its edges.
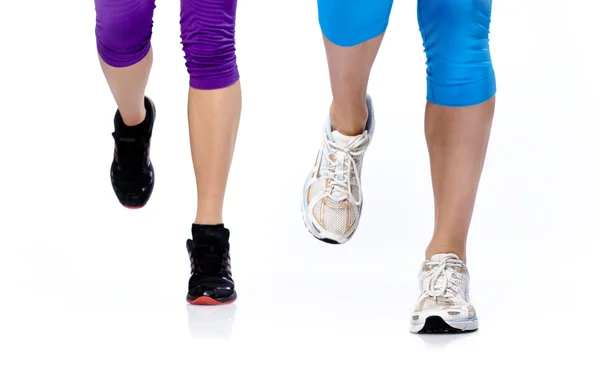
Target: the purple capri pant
(124, 29)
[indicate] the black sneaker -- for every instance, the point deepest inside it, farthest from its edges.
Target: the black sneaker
(131, 172)
(211, 282)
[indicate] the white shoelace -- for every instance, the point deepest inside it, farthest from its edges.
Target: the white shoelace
(438, 283)
(343, 166)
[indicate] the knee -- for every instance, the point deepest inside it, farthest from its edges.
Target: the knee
(211, 59)
(123, 30)
(456, 41)
(208, 38)
(351, 23)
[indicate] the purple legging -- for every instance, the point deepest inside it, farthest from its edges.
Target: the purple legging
(124, 28)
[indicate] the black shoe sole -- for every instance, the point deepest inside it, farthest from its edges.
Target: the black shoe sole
(209, 301)
(437, 325)
(328, 241)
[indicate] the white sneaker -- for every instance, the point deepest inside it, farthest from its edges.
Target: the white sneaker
(332, 195)
(443, 306)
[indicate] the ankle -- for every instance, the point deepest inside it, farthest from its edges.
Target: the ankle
(133, 117)
(447, 246)
(208, 218)
(349, 119)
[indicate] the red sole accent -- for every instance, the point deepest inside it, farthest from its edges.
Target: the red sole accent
(208, 301)
(133, 207)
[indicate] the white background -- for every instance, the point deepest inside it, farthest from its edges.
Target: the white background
(90, 289)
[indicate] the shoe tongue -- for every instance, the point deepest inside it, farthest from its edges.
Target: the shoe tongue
(341, 139)
(443, 256)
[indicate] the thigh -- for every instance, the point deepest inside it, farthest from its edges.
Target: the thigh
(458, 21)
(350, 22)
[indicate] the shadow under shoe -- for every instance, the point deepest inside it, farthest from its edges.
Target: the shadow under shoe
(211, 282)
(131, 172)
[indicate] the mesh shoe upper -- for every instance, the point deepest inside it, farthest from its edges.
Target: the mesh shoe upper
(444, 282)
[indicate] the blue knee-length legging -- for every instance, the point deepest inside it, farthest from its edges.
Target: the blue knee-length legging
(455, 37)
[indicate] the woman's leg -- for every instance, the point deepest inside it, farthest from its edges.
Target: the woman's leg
(214, 107)
(208, 35)
(123, 31)
(458, 117)
(353, 32)
(460, 105)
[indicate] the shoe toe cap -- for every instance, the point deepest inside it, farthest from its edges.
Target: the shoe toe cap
(216, 288)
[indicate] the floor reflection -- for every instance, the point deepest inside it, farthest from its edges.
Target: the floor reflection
(442, 341)
(211, 322)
